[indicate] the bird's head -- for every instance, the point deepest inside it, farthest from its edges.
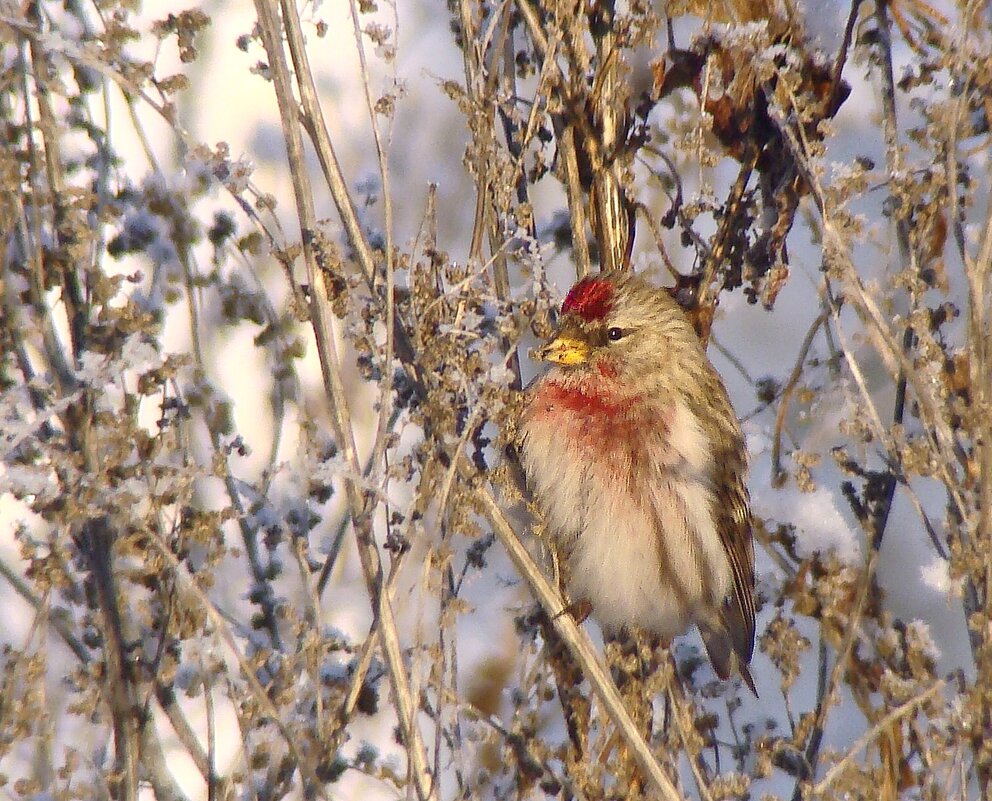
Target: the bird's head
(619, 325)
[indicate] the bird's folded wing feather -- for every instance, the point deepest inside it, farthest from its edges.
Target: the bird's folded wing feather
(733, 523)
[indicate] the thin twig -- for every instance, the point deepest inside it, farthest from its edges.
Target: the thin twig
(685, 722)
(824, 702)
(96, 538)
(841, 59)
(56, 621)
(385, 392)
(778, 473)
(659, 242)
(729, 222)
(900, 711)
(907, 255)
(945, 440)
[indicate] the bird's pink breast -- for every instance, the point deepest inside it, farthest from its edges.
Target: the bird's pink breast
(611, 428)
(582, 401)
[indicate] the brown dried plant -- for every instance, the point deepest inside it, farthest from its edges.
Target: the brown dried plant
(204, 601)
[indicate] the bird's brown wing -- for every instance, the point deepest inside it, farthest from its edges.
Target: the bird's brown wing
(732, 513)
(730, 639)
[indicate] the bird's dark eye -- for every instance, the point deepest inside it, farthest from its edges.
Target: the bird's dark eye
(614, 334)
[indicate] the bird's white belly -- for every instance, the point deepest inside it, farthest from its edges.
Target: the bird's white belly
(615, 565)
(651, 560)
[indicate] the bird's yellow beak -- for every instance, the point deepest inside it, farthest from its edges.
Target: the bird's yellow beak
(562, 350)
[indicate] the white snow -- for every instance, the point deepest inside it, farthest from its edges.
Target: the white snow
(819, 523)
(937, 576)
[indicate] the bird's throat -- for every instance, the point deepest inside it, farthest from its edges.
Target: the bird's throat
(593, 416)
(585, 399)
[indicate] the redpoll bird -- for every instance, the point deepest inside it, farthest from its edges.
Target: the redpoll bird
(636, 462)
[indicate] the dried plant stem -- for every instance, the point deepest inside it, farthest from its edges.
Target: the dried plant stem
(166, 697)
(883, 340)
(778, 472)
(578, 643)
(221, 627)
(481, 88)
(314, 121)
(907, 254)
(826, 698)
(684, 723)
(609, 209)
(97, 542)
(385, 389)
(364, 663)
(567, 135)
(39, 605)
(880, 726)
(155, 769)
(576, 207)
(327, 348)
(716, 255)
(979, 592)
(610, 213)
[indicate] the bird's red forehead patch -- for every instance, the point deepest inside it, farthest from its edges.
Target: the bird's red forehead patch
(591, 299)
